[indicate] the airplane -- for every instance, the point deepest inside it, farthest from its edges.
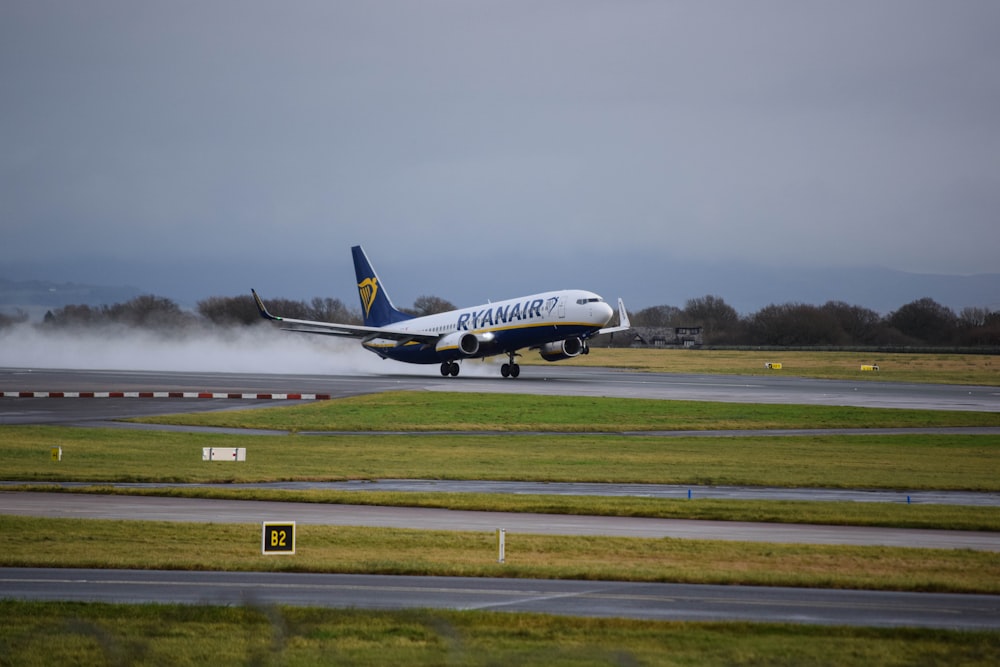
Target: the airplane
(557, 324)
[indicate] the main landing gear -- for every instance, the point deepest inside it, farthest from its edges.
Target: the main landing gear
(510, 369)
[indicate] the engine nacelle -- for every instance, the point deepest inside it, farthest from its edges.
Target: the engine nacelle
(462, 343)
(561, 349)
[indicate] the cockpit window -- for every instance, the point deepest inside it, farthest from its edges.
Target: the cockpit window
(585, 301)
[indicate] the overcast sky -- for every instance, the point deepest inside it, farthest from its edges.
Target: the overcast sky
(485, 149)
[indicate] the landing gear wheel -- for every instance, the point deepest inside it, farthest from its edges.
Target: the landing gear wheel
(454, 369)
(510, 369)
(445, 368)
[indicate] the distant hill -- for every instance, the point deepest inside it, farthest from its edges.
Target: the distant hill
(35, 296)
(650, 280)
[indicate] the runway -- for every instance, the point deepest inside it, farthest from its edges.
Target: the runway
(664, 602)
(199, 510)
(541, 380)
(664, 491)
(801, 606)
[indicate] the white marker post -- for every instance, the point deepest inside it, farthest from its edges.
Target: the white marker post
(501, 544)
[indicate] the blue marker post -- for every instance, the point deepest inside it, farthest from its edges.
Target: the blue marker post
(689, 494)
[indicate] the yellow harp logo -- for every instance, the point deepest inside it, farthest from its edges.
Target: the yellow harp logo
(368, 288)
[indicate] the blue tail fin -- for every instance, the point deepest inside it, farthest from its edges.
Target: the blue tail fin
(375, 303)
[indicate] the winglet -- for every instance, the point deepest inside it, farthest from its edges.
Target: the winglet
(623, 322)
(261, 309)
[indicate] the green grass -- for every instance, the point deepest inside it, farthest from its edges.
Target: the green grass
(68, 633)
(423, 411)
(966, 369)
(45, 542)
(73, 633)
(905, 462)
(908, 463)
(99, 634)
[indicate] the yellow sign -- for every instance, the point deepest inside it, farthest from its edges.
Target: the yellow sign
(277, 537)
(57, 453)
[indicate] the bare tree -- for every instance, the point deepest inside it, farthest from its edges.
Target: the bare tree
(926, 321)
(18, 317)
(147, 310)
(658, 316)
(979, 326)
(719, 321)
(72, 315)
(794, 324)
(229, 310)
(332, 310)
(973, 317)
(429, 305)
(861, 326)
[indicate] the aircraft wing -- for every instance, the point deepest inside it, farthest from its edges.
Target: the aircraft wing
(623, 322)
(346, 330)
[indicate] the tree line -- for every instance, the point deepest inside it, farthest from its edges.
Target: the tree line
(920, 323)
(149, 311)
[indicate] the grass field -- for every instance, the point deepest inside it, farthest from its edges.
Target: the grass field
(44, 542)
(98, 634)
(971, 369)
(904, 462)
(455, 411)
(62, 633)
(907, 463)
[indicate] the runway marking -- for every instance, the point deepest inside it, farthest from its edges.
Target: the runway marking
(167, 394)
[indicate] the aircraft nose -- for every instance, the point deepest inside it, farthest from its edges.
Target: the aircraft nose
(603, 312)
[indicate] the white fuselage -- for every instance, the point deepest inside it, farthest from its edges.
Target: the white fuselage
(499, 327)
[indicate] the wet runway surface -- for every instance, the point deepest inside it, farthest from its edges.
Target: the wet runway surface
(665, 491)
(202, 510)
(667, 602)
(541, 380)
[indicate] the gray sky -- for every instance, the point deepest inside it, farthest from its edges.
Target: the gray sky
(484, 149)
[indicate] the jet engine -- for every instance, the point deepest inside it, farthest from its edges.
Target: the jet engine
(562, 349)
(464, 342)
(468, 344)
